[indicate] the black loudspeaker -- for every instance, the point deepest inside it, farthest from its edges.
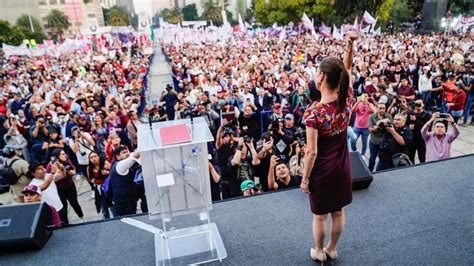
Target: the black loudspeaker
(361, 175)
(24, 226)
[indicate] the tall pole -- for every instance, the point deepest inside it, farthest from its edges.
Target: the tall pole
(29, 16)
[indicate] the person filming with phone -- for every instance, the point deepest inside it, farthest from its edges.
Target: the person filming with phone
(438, 141)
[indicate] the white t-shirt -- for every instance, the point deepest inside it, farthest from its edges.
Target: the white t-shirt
(83, 153)
(49, 195)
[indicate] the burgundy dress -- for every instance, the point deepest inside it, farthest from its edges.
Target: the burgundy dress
(330, 182)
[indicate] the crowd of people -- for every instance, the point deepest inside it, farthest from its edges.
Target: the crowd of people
(63, 119)
(411, 91)
(76, 116)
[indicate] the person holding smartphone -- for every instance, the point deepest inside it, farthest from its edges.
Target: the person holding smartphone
(438, 141)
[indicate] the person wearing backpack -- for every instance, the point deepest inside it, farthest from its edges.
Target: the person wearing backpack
(15, 173)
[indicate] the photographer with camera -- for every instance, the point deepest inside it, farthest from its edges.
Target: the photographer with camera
(39, 132)
(19, 166)
(398, 105)
(82, 144)
(170, 98)
(281, 140)
(249, 188)
(248, 123)
(209, 115)
(418, 118)
(395, 143)
(279, 175)
(438, 141)
(63, 170)
(376, 133)
(242, 164)
(225, 146)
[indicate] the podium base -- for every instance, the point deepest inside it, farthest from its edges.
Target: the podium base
(192, 245)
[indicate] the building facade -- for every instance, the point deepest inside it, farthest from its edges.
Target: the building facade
(80, 14)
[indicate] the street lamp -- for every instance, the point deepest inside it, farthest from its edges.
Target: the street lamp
(29, 16)
(448, 23)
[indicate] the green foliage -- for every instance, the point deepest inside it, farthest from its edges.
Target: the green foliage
(23, 23)
(10, 34)
(464, 7)
(190, 13)
(329, 11)
(173, 16)
(212, 11)
(416, 6)
(57, 21)
(384, 11)
(117, 16)
(401, 12)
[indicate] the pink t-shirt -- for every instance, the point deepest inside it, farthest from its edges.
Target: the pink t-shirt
(363, 112)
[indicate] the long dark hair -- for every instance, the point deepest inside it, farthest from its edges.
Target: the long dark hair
(91, 166)
(337, 78)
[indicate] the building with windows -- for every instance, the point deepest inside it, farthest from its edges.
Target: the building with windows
(79, 13)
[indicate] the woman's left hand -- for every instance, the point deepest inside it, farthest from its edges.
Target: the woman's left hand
(305, 185)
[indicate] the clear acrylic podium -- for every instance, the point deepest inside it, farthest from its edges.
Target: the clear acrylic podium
(178, 192)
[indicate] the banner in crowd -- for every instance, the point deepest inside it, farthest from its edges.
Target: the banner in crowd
(465, 24)
(21, 50)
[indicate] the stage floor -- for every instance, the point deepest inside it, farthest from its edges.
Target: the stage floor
(417, 215)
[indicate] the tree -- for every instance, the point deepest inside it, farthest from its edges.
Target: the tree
(173, 16)
(465, 7)
(190, 12)
(23, 23)
(58, 22)
(10, 34)
(117, 16)
(284, 11)
(212, 12)
(401, 12)
(383, 13)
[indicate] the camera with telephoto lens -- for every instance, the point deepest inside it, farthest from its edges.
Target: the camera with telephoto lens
(190, 112)
(300, 135)
(384, 126)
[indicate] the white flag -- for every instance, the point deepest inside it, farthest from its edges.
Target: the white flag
(282, 35)
(368, 18)
(307, 22)
(336, 33)
(366, 29)
(377, 32)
